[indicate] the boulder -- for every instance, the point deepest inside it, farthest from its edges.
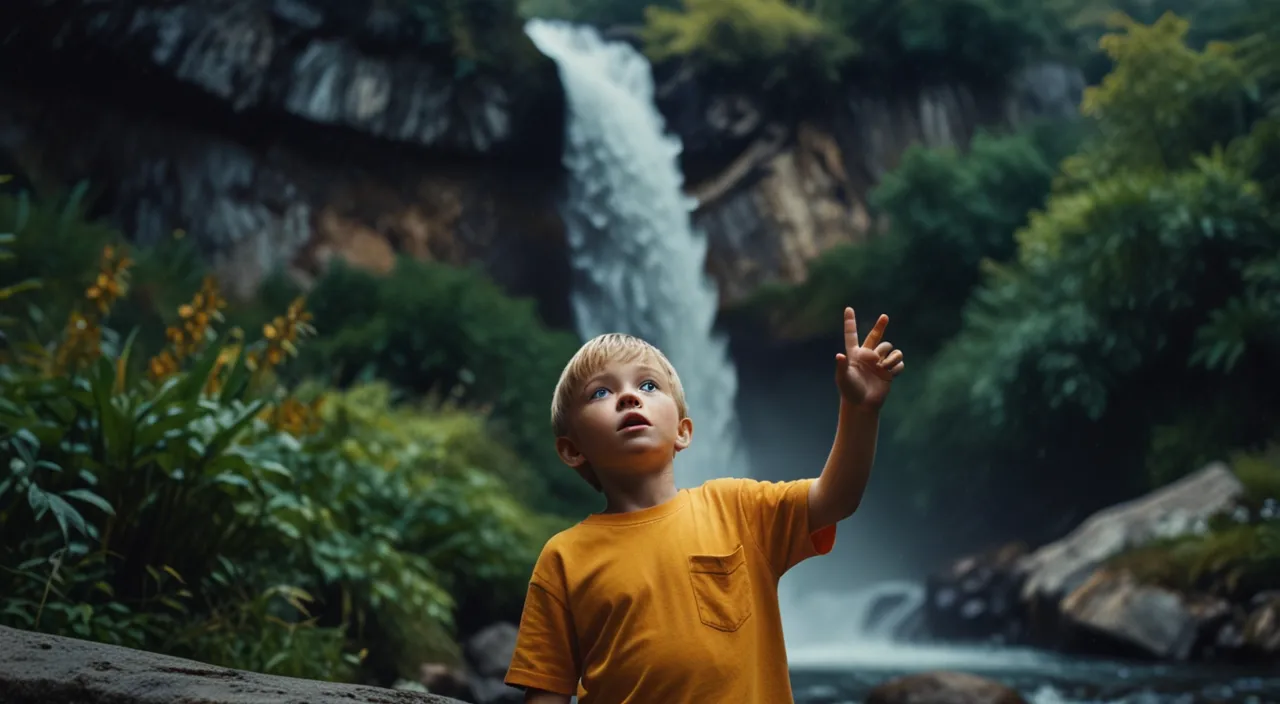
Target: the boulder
(489, 653)
(943, 688)
(1139, 618)
(1261, 632)
(976, 597)
(447, 680)
(1057, 569)
(44, 669)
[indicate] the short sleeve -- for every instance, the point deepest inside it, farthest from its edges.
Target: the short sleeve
(546, 654)
(777, 515)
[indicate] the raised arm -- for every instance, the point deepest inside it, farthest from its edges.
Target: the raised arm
(863, 375)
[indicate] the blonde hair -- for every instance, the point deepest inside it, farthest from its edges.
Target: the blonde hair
(594, 356)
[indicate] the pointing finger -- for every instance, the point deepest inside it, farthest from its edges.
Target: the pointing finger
(850, 331)
(877, 333)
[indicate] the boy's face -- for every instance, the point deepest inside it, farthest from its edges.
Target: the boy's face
(624, 420)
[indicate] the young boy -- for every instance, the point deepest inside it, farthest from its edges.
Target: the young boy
(672, 596)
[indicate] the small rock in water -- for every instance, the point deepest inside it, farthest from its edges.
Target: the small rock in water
(943, 688)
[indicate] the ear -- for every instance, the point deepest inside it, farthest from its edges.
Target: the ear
(569, 453)
(684, 433)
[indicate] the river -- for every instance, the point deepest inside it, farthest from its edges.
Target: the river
(830, 668)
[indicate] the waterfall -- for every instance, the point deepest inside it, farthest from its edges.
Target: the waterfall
(637, 261)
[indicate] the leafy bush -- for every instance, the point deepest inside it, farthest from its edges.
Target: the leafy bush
(761, 43)
(948, 210)
(1140, 304)
(602, 13)
(1237, 555)
(980, 41)
(188, 503)
(435, 330)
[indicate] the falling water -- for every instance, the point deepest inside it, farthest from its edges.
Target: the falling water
(638, 263)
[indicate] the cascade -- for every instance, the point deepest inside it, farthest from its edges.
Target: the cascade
(637, 261)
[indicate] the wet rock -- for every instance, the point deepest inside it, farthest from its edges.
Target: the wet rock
(1261, 632)
(1057, 569)
(446, 680)
(43, 669)
(943, 688)
(489, 653)
(977, 598)
(1149, 620)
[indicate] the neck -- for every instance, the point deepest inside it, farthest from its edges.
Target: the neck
(628, 494)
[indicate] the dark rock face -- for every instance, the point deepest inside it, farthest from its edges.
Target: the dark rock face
(279, 135)
(358, 65)
(976, 598)
(44, 669)
(489, 651)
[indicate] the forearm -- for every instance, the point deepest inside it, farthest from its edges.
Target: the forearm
(839, 489)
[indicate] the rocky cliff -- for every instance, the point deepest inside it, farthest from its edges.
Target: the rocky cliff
(773, 195)
(285, 133)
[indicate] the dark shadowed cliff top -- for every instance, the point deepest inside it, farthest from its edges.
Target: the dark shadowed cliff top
(458, 78)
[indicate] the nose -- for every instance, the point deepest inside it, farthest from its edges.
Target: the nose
(628, 399)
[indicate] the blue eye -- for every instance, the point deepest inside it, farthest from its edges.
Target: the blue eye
(649, 386)
(599, 393)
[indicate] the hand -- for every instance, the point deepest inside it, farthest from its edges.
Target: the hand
(864, 372)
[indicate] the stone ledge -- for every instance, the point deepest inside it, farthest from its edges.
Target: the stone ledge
(42, 669)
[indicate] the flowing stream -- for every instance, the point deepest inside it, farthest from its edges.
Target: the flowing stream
(638, 262)
(638, 267)
(841, 644)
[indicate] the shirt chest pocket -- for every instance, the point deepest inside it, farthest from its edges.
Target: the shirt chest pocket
(722, 589)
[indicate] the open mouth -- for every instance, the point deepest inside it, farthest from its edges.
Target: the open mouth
(633, 420)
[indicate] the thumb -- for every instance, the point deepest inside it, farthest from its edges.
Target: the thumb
(842, 361)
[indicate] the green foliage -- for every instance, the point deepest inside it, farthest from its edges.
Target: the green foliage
(796, 46)
(1139, 315)
(1260, 474)
(1234, 561)
(477, 34)
(12, 291)
(948, 211)
(595, 12)
(770, 41)
(1236, 555)
(968, 40)
(450, 333)
(1164, 103)
(188, 503)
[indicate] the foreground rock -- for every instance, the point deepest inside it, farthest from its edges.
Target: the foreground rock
(1118, 611)
(1063, 595)
(943, 688)
(977, 598)
(43, 669)
(489, 652)
(1052, 572)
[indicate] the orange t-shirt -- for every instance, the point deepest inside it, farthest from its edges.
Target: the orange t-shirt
(674, 603)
